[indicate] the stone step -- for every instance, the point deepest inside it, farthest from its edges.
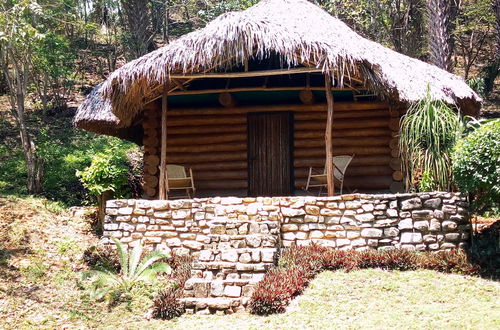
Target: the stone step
(238, 266)
(205, 306)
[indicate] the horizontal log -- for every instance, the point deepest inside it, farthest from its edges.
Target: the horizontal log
(220, 175)
(394, 124)
(397, 176)
(182, 158)
(150, 181)
(343, 142)
(150, 192)
(319, 162)
(351, 171)
(338, 106)
(150, 125)
(396, 187)
(208, 129)
(206, 120)
(152, 160)
(311, 134)
(395, 153)
(219, 166)
(395, 164)
(150, 169)
(394, 143)
(307, 97)
(177, 140)
(224, 192)
(227, 184)
(358, 182)
(377, 113)
(356, 151)
(236, 146)
(153, 141)
(227, 100)
(149, 150)
(341, 124)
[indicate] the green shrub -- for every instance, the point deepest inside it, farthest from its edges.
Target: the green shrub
(110, 284)
(476, 166)
(107, 172)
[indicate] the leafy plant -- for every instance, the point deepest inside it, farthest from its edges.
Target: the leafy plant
(426, 183)
(133, 270)
(166, 304)
(428, 133)
(476, 166)
(107, 172)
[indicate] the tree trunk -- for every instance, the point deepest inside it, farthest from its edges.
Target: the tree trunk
(136, 12)
(440, 42)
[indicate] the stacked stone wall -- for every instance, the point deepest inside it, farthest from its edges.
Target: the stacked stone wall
(235, 240)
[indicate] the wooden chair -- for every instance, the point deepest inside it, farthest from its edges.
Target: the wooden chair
(340, 164)
(178, 180)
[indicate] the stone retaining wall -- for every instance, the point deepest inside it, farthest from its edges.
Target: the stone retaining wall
(235, 240)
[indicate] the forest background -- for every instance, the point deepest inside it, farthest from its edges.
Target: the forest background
(53, 52)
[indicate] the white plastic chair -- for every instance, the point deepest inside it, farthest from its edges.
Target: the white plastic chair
(340, 164)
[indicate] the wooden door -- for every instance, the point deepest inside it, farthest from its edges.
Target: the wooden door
(270, 154)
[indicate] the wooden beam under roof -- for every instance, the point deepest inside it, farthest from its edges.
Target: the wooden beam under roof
(260, 73)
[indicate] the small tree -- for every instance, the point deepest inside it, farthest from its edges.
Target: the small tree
(428, 133)
(18, 35)
(106, 176)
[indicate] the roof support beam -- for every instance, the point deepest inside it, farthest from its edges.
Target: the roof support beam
(328, 136)
(261, 73)
(163, 184)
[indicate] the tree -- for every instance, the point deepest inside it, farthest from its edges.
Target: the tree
(440, 15)
(18, 36)
(139, 37)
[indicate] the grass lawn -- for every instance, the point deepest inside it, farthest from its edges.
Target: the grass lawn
(40, 259)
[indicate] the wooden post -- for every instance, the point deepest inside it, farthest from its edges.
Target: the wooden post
(328, 136)
(163, 185)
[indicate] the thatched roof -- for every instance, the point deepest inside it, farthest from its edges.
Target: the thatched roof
(299, 32)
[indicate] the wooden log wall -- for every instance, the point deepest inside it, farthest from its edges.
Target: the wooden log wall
(215, 146)
(368, 133)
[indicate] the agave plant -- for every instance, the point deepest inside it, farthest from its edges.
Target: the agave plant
(428, 133)
(133, 270)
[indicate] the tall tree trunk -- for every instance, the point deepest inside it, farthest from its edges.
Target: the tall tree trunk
(440, 42)
(137, 18)
(16, 82)
(495, 4)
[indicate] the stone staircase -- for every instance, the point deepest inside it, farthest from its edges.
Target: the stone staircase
(225, 272)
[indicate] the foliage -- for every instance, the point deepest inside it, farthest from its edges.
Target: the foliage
(166, 304)
(108, 283)
(101, 257)
(478, 85)
(428, 133)
(299, 265)
(476, 166)
(107, 172)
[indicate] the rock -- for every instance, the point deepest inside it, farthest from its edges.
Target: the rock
(411, 204)
(316, 234)
(312, 210)
(367, 217)
(245, 258)
(371, 233)
(367, 207)
(232, 291)
(229, 255)
(449, 225)
(452, 237)
(201, 289)
(218, 229)
(432, 203)
(435, 225)
(289, 227)
(352, 234)
(289, 236)
(342, 242)
(422, 225)
(405, 224)
(194, 245)
(289, 212)
(243, 229)
(205, 255)
(268, 255)
(430, 239)
(391, 232)
(422, 214)
(411, 237)
(253, 241)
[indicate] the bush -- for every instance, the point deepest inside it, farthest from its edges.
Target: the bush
(476, 168)
(107, 172)
(166, 304)
(101, 257)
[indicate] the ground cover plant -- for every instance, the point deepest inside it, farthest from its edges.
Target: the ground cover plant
(299, 265)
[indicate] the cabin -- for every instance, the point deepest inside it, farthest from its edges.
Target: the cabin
(257, 98)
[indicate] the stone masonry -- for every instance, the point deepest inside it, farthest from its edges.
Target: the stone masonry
(235, 240)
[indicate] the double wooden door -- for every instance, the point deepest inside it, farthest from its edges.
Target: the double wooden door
(270, 170)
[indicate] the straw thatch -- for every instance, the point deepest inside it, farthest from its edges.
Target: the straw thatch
(300, 33)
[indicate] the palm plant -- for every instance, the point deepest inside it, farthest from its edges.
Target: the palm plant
(133, 270)
(428, 133)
